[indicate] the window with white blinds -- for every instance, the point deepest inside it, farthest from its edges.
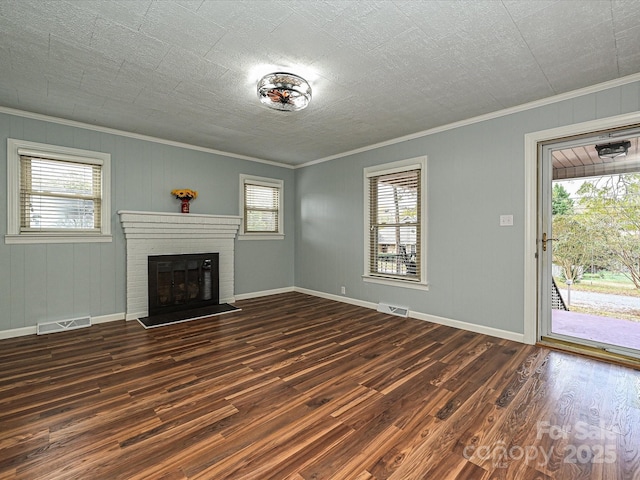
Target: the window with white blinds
(395, 227)
(57, 194)
(261, 203)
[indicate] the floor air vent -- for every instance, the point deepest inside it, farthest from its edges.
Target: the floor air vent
(63, 325)
(393, 310)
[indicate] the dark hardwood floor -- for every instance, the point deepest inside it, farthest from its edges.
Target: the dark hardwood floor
(297, 387)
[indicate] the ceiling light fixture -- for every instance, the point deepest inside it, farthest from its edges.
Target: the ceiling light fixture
(284, 91)
(613, 150)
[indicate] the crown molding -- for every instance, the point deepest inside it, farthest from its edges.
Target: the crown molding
(618, 82)
(137, 136)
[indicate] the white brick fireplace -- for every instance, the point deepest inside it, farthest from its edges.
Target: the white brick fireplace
(159, 233)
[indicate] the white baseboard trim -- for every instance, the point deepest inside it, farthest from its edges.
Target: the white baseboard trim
(264, 293)
(18, 332)
(337, 298)
(472, 327)
(494, 332)
(23, 331)
(107, 318)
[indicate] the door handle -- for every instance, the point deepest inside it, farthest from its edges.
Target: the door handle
(545, 240)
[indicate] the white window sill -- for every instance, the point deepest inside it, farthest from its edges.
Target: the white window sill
(261, 236)
(31, 238)
(396, 282)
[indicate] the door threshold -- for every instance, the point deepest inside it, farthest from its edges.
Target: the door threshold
(588, 351)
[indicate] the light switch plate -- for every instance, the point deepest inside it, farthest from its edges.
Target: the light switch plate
(506, 220)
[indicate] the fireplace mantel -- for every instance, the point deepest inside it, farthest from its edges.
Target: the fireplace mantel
(164, 233)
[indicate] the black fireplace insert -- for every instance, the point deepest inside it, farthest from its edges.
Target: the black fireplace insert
(183, 282)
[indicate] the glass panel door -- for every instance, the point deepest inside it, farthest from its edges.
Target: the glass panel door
(589, 242)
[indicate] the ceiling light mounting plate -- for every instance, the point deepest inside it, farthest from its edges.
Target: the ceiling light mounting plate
(283, 91)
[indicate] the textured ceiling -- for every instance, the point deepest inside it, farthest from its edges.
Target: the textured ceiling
(186, 70)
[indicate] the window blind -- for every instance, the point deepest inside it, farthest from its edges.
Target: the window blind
(261, 208)
(395, 228)
(59, 195)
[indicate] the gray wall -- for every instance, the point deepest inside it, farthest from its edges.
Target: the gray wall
(475, 174)
(58, 281)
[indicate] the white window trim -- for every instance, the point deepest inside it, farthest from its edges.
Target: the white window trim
(267, 182)
(14, 235)
(400, 166)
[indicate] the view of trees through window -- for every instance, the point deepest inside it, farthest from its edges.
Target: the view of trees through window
(596, 222)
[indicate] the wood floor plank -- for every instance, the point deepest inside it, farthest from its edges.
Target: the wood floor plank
(295, 387)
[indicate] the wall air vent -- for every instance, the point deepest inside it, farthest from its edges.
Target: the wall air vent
(393, 310)
(63, 325)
